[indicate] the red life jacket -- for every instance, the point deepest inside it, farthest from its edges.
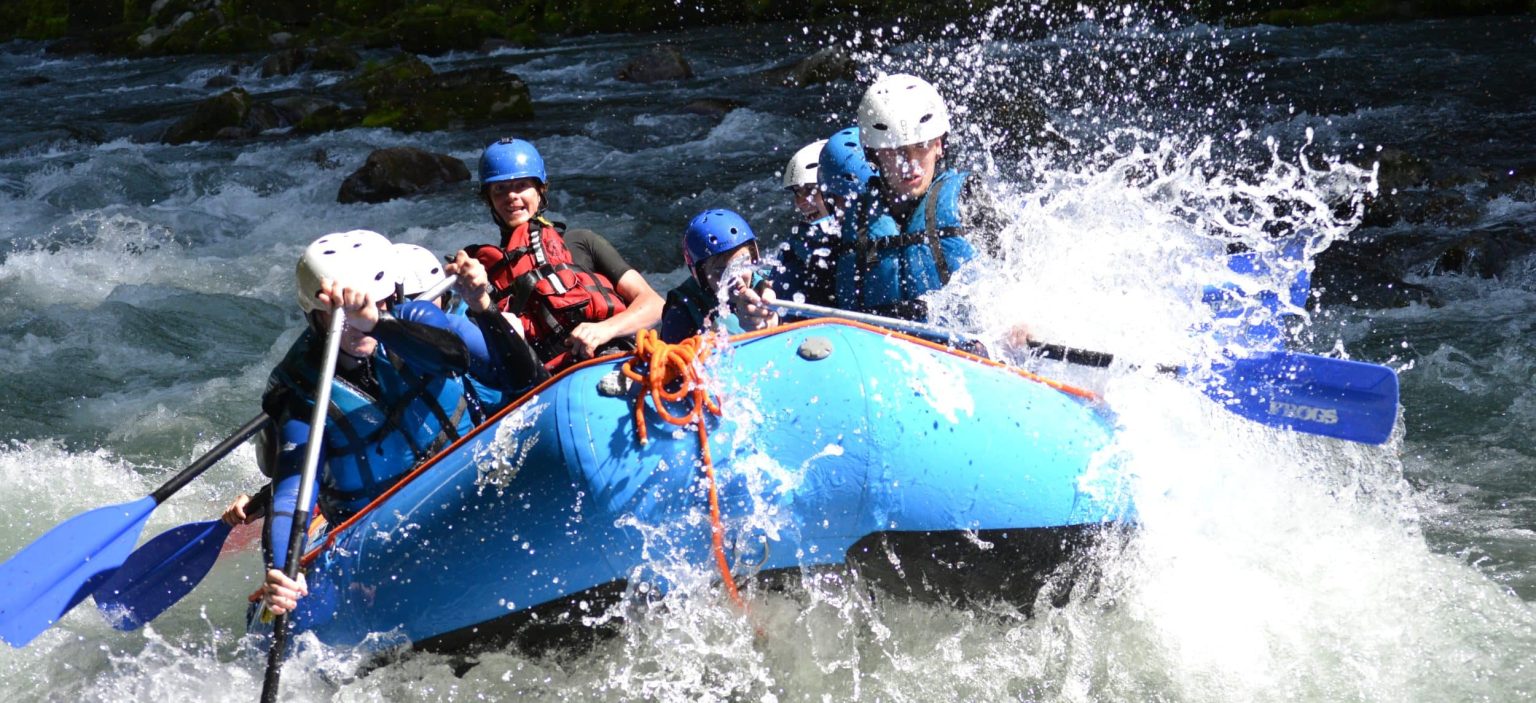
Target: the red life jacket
(535, 279)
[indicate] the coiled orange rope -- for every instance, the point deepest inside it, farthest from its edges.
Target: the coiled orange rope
(658, 366)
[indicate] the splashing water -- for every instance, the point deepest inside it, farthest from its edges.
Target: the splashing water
(1265, 566)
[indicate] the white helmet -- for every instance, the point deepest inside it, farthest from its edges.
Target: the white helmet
(801, 170)
(419, 268)
(358, 259)
(901, 109)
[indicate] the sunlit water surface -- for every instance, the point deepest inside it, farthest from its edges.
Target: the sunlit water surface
(147, 293)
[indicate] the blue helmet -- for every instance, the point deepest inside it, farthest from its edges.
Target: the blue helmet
(714, 232)
(507, 159)
(844, 171)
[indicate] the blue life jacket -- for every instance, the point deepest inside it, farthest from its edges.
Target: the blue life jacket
(879, 264)
(809, 266)
(371, 442)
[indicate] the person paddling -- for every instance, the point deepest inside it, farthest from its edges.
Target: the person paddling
(725, 289)
(573, 292)
(399, 394)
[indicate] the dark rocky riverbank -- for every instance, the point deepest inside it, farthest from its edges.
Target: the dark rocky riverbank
(394, 88)
(158, 27)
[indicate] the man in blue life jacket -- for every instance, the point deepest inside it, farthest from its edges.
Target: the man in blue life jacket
(805, 269)
(399, 394)
(913, 231)
(724, 289)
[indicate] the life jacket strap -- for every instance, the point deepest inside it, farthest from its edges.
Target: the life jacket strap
(868, 248)
(354, 441)
(932, 233)
(417, 389)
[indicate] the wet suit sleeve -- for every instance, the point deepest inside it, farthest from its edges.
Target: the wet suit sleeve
(591, 252)
(424, 337)
(789, 271)
(426, 314)
(512, 362)
(497, 356)
(293, 437)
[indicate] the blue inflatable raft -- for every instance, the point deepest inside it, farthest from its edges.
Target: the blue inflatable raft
(929, 472)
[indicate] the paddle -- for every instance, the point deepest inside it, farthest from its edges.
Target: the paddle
(160, 572)
(165, 569)
(58, 570)
(1318, 395)
(301, 510)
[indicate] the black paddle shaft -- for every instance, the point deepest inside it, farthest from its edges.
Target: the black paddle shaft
(209, 459)
(279, 647)
(1092, 359)
(1071, 355)
(299, 530)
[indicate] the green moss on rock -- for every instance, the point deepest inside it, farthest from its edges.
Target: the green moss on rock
(211, 117)
(381, 78)
(451, 100)
(33, 19)
(329, 118)
(228, 26)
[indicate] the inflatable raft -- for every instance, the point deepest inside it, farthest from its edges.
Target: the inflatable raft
(928, 471)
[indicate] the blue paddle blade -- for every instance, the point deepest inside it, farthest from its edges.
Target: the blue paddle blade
(1319, 395)
(160, 573)
(58, 570)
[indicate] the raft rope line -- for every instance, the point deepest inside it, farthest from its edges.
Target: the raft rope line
(657, 366)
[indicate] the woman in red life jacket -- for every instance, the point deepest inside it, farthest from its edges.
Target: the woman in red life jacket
(574, 294)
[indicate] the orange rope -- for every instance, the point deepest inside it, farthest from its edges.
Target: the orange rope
(656, 366)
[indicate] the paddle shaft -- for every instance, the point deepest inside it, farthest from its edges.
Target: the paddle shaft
(210, 458)
(1337, 398)
(438, 290)
(306, 494)
(1071, 355)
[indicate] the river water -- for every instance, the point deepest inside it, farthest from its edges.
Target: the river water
(147, 293)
